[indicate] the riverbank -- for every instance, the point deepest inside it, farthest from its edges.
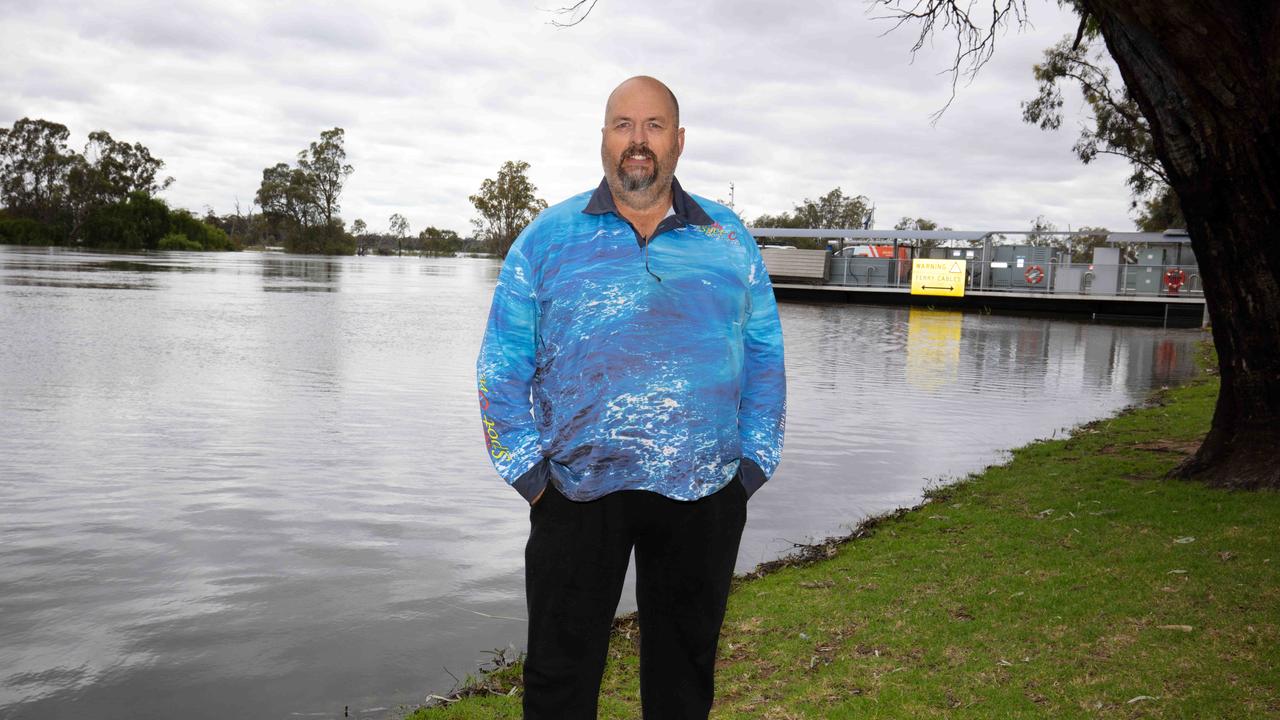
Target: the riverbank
(1074, 581)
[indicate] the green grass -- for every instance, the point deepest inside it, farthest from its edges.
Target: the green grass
(1073, 581)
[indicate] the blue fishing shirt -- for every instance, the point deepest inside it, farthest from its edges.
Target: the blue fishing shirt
(598, 374)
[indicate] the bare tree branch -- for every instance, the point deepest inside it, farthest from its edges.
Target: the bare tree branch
(1152, 167)
(975, 40)
(571, 11)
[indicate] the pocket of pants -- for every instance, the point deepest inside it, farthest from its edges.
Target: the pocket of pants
(733, 490)
(548, 493)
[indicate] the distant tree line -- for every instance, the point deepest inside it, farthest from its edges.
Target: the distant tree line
(431, 241)
(834, 210)
(104, 197)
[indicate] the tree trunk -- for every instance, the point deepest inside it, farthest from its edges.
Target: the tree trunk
(1207, 76)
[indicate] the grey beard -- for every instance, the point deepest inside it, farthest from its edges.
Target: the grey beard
(632, 182)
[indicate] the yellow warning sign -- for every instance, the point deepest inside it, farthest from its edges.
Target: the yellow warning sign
(938, 277)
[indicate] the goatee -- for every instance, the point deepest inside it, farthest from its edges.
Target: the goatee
(636, 180)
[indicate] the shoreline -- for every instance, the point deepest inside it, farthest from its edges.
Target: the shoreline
(996, 596)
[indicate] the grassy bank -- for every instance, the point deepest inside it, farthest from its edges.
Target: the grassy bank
(1073, 581)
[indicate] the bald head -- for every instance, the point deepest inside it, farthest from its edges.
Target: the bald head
(638, 88)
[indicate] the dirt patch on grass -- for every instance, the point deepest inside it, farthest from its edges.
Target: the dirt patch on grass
(1181, 448)
(1177, 447)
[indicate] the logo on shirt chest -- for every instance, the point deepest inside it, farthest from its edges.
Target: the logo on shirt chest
(718, 231)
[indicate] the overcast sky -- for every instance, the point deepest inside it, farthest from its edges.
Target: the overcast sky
(435, 96)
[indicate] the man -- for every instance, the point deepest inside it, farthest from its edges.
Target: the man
(632, 390)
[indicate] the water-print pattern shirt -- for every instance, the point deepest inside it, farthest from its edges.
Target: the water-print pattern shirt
(598, 374)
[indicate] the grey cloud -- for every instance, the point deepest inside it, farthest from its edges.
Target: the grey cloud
(453, 59)
(355, 79)
(328, 27)
(183, 28)
(54, 83)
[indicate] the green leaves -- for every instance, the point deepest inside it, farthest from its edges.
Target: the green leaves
(833, 210)
(300, 203)
(1116, 125)
(506, 205)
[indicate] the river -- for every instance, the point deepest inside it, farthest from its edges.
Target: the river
(254, 485)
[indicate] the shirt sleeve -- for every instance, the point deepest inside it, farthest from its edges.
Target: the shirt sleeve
(762, 413)
(504, 374)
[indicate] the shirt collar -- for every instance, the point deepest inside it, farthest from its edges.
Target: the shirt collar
(683, 206)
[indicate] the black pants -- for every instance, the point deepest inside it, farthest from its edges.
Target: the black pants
(575, 563)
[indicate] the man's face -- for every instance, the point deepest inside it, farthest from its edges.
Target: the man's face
(641, 142)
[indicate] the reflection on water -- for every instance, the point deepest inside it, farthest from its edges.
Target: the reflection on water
(933, 347)
(257, 489)
(293, 274)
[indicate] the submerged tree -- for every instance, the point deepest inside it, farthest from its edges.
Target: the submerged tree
(325, 163)
(399, 227)
(437, 241)
(301, 203)
(288, 195)
(506, 205)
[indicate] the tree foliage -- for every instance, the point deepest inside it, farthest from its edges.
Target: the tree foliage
(834, 210)
(1115, 126)
(324, 164)
(34, 164)
(1077, 248)
(507, 204)
(104, 197)
(398, 225)
(300, 202)
(908, 223)
(141, 222)
(117, 169)
(436, 241)
(285, 195)
(925, 224)
(1160, 212)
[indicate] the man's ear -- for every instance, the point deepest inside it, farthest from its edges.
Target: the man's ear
(680, 140)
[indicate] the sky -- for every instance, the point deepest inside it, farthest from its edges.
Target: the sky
(782, 103)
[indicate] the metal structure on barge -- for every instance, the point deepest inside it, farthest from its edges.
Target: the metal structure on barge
(1132, 276)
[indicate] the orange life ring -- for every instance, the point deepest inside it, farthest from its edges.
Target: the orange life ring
(1034, 274)
(1174, 278)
